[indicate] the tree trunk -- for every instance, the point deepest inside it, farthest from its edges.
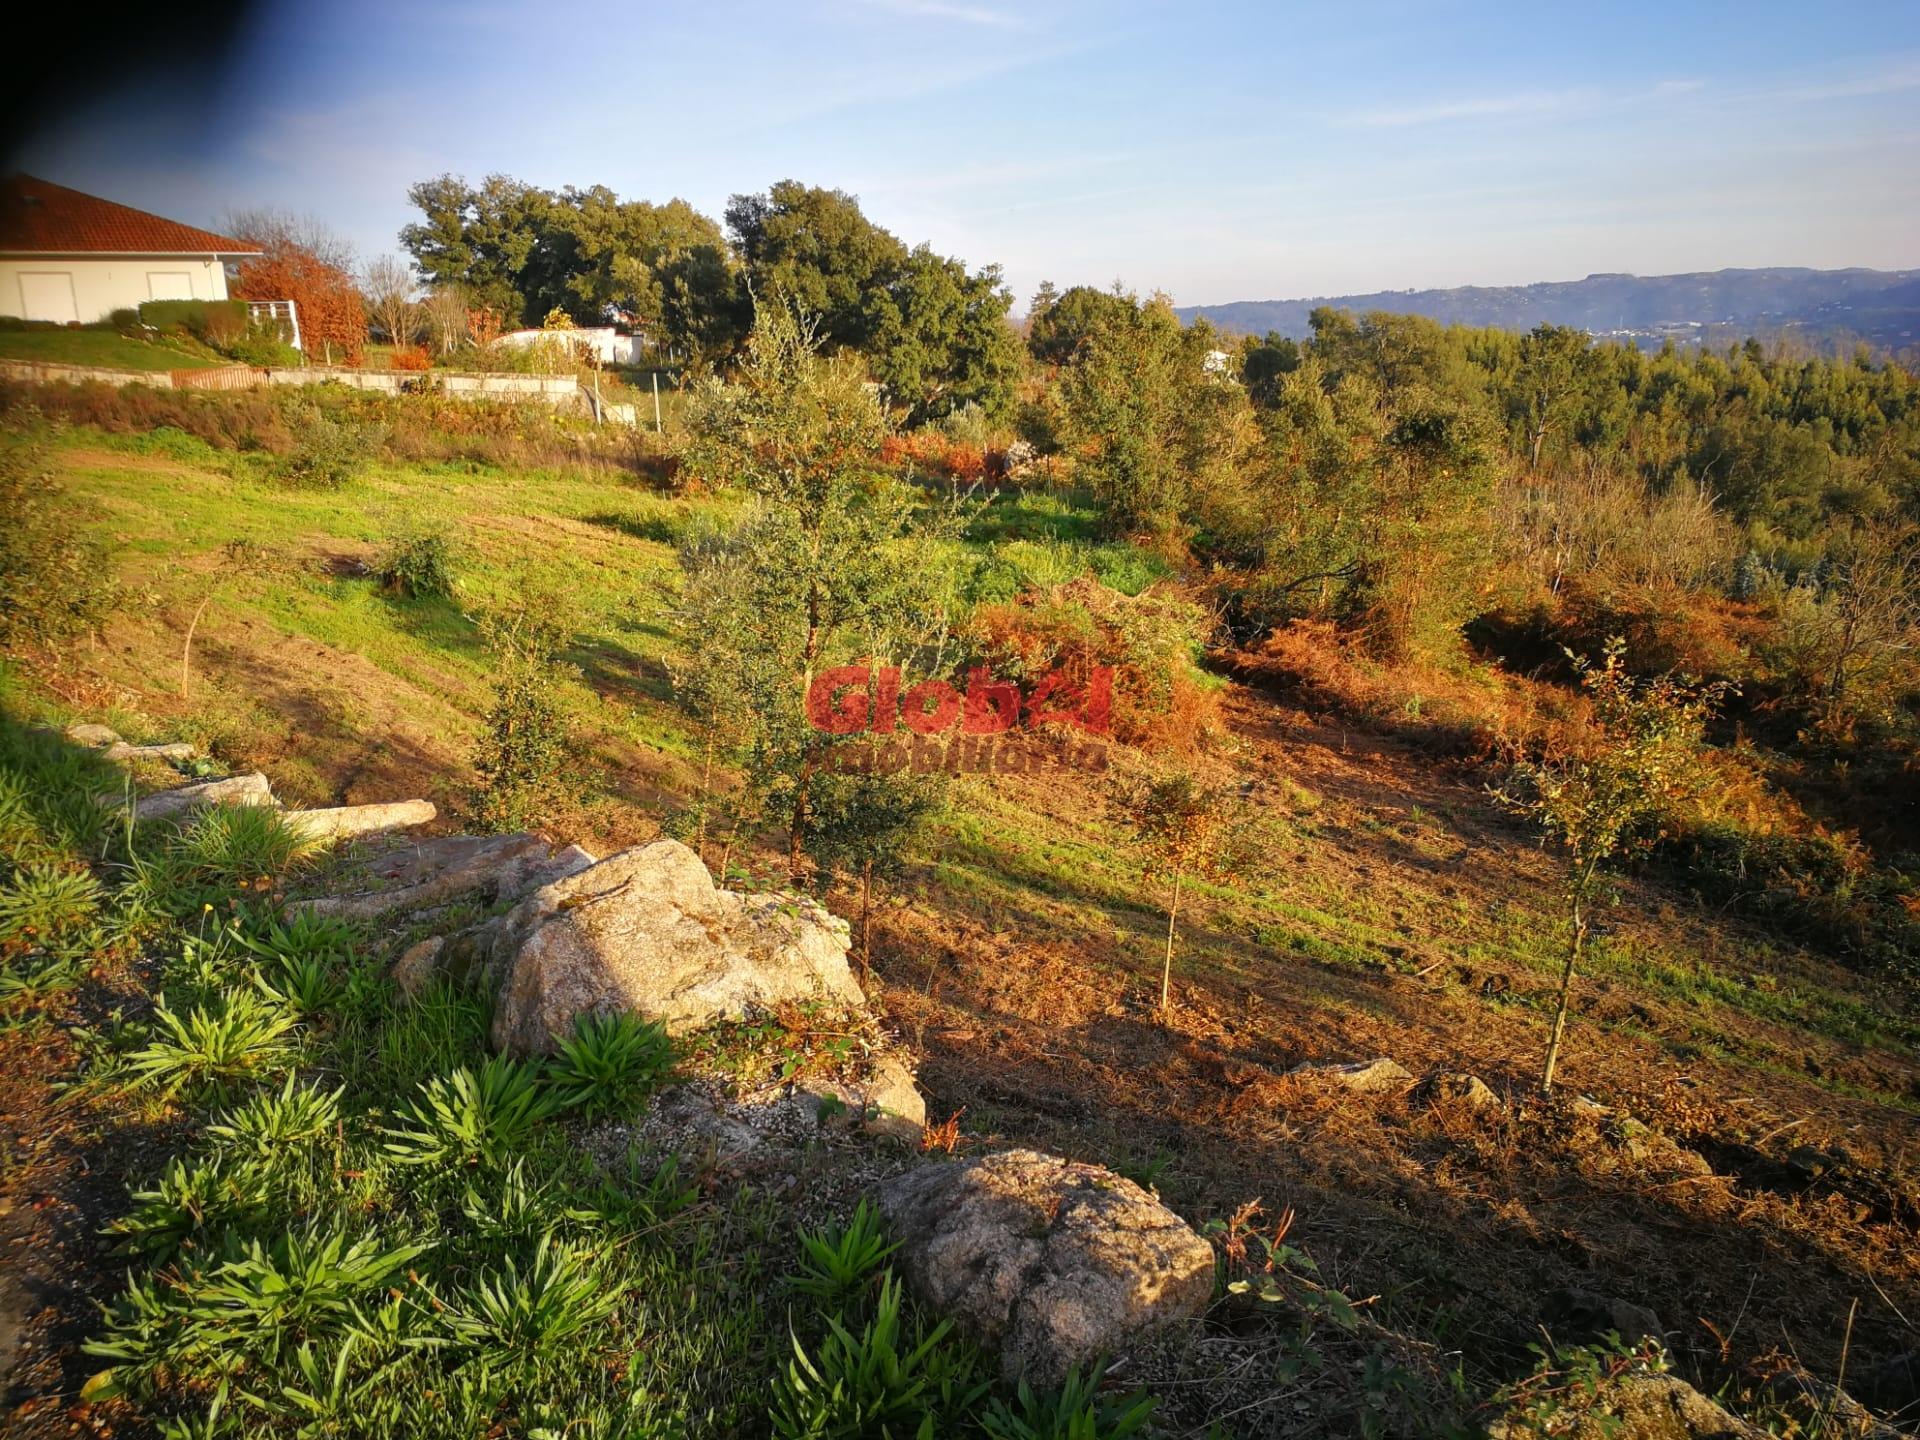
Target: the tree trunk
(706, 800)
(186, 650)
(866, 921)
(1574, 944)
(1166, 968)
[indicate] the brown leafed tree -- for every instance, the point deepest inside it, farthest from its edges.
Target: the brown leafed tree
(303, 262)
(1187, 831)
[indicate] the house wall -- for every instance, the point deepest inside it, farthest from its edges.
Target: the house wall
(605, 343)
(89, 288)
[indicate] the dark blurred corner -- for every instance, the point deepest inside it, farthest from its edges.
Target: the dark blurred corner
(94, 51)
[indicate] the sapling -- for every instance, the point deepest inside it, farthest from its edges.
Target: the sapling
(1611, 793)
(1186, 830)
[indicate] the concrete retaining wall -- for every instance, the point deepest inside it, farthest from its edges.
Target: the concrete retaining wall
(558, 391)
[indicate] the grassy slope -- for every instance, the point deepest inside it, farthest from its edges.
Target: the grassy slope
(1394, 912)
(102, 348)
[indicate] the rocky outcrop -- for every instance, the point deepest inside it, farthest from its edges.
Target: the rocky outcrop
(94, 737)
(1046, 1261)
(1640, 1405)
(646, 931)
(177, 803)
(488, 868)
(346, 822)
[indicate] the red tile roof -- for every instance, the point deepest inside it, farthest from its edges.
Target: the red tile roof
(40, 218)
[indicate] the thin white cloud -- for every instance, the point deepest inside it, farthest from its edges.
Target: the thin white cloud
(1579, 100)
(1889, 81)
(944, 10)
(1479, 107)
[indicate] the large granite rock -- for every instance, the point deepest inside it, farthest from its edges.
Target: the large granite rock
(647, 931)
(1046, 1261)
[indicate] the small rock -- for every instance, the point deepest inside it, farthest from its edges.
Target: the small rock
(346, 821)
(417, 966)
(887, 1103)
(1652, 1151)
(1579, 1316)
(1365, 1077)
(895, 1108)
(1459, 1087)
(1044, 1260)
(1828, 1410)
(97, 737)
(1809, 1162)
(234, 790)
(127, 754)
(1639, 1405)
(647, 932)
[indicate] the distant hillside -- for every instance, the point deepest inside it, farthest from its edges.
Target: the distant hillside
(1881, 307)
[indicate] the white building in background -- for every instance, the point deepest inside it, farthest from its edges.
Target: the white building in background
(74, 259)
(603, 342)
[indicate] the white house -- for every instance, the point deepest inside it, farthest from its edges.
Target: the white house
(603, 342)
(73, 258)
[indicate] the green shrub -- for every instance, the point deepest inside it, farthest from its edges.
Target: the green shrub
(224, 851)
(525, 751)
(418, 564)
(516, 1314)
(261, 345)
(472, 1116)
(43, 902)
(202, 319)
(837, 1266)
(891, 1378)
(610, 1063)
(237, 1037)
(274, 1119)
(327, 454)
(56, 581)
(1076, 1411)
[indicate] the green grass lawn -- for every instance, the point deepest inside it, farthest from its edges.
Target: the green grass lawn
(106, 349)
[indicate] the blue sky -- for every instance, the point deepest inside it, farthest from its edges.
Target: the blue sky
(1218, 151)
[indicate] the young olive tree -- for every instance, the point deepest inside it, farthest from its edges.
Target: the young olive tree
(1186, 830)
(862, 827)
(1609, 795)
(524, 752)
(828, 563)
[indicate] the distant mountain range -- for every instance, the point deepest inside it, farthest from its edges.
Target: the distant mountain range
(1881, 307)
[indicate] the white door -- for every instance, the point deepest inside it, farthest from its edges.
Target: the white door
(48, 295)
(169, 285)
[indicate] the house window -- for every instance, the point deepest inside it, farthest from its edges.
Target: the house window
(169, 285)
(48, 295)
